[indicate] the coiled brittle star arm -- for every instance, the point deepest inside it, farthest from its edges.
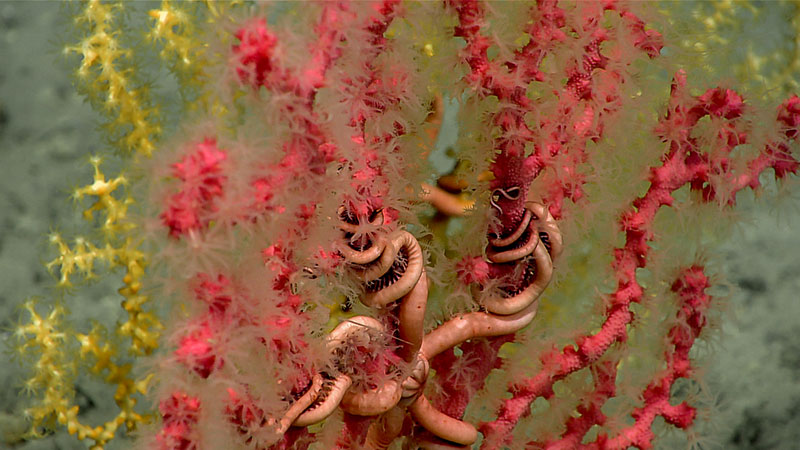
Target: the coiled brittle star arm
(392, 268)
(532, 243)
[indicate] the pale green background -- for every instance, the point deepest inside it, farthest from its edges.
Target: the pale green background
(46, 133)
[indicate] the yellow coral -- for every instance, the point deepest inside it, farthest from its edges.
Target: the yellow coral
(107, 75)
(175, 30)
(55, 369)
(55, 372)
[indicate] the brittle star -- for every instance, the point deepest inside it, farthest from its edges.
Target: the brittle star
(392, 267)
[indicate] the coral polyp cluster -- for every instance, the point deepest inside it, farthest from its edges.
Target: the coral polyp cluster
(307, 264)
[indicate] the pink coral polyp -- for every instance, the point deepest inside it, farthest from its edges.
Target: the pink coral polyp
(201, 182)
(254, 52)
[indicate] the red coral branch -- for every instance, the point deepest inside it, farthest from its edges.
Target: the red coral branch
(201, 182)
(684, 163)
(520, 252)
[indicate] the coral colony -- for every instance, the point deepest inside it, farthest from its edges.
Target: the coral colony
(298, 275)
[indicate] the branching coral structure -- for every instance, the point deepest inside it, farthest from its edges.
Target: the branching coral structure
(323, 285)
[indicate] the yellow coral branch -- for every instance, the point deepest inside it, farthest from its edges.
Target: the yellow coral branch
(113, 209)
(107, 74)
(174, 28)
(54, 371)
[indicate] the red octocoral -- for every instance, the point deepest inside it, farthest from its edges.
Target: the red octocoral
(255, 52)
(201, 182)
(179, 415)
(322, 207)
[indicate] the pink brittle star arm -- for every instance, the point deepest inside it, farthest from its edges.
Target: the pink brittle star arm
(335, 391)
(536, 235)
(450, 334)
(445, 202)
(379, 256)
